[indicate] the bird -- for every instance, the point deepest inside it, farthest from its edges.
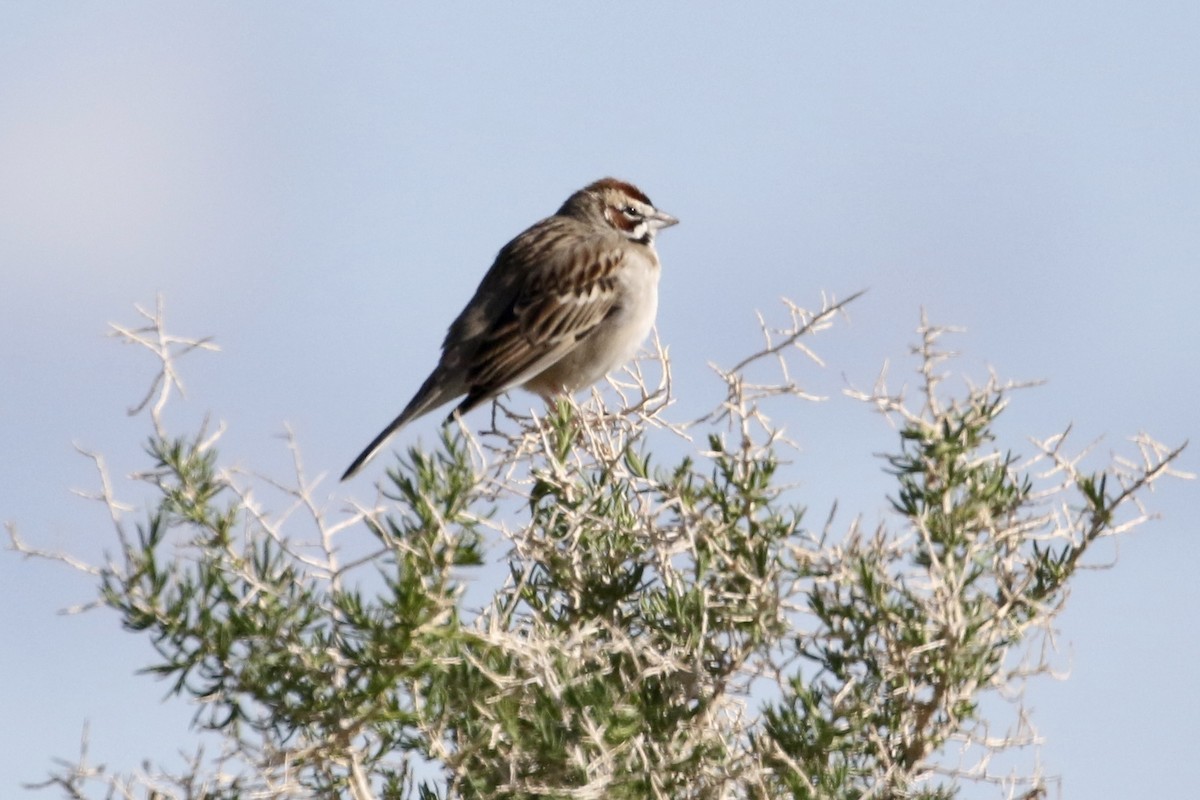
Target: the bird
(565, 302)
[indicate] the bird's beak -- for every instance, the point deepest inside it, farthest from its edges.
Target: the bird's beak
(661, 219)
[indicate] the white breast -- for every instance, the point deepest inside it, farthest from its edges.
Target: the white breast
(617, 339)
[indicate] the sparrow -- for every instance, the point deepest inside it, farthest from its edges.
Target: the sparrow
(565, 302)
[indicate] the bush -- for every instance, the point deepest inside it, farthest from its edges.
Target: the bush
(663, 626)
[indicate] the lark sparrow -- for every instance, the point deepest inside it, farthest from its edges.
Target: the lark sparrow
(568, 300)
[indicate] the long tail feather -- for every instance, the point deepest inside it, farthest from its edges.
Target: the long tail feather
(431, 395)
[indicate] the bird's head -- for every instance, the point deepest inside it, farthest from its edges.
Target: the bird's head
(620, 205)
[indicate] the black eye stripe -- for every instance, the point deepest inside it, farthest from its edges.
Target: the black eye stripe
(627, 218)
(625, 222)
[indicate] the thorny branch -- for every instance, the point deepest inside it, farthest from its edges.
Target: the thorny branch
(166, 349)
(569, 493)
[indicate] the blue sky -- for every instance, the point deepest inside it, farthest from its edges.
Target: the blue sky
(320, 187)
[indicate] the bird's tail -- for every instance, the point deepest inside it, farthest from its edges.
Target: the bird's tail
(432, 394)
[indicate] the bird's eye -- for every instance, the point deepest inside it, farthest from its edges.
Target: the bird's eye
(630, 211)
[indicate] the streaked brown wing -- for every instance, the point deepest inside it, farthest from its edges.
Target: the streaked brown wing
(559, 305)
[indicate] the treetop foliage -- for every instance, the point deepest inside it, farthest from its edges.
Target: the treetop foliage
(559, 607)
